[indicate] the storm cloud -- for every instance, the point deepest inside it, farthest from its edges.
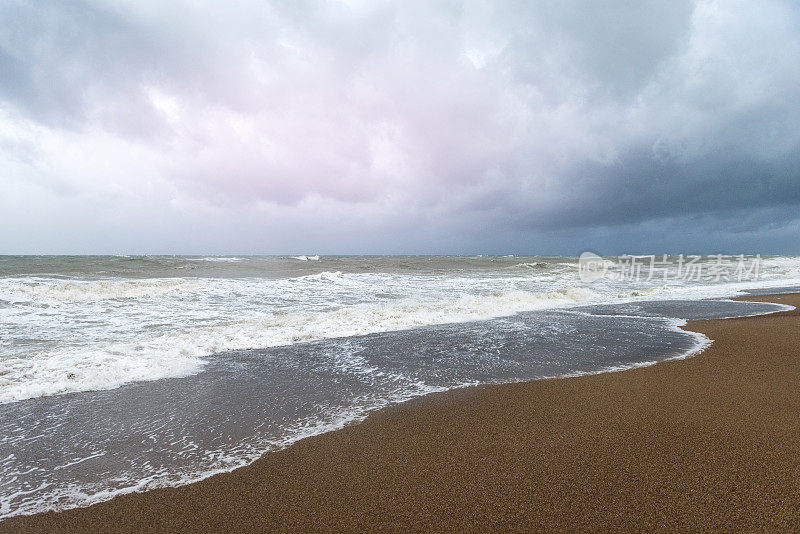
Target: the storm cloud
(375, 126)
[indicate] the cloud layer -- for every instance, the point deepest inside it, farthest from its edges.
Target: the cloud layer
(358, 126)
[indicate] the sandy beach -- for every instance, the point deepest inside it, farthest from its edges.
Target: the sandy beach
(707, 443)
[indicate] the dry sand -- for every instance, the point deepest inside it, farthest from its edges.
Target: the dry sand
(712, 442)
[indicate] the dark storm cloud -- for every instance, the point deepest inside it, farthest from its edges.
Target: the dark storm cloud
(639, 186)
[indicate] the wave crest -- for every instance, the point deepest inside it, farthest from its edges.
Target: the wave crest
(181, 353)
(79, 291)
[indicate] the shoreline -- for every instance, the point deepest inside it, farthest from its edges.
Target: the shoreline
(605, 450)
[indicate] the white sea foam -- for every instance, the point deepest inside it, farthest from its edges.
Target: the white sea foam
(306, 258)
(324, 276)
(78, 335)
(180, 352)
(93, 368)
(95, 290)
(219, 259)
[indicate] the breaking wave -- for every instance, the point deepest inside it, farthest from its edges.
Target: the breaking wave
(181, 352)
(70, 335)
(80, 291)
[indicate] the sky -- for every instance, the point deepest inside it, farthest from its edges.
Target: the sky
(405, 127)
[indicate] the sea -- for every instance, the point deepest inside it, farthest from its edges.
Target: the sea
(124, 373)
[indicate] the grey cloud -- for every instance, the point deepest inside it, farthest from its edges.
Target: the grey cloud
(525, 116)
(639, 187)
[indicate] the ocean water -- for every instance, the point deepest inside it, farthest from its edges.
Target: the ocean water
(122, 373)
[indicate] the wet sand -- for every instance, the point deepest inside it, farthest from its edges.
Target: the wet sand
(711, 442)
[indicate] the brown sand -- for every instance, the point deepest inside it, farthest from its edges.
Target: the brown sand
(712, 442)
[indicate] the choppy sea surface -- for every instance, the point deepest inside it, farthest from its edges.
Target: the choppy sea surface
(122, 373)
